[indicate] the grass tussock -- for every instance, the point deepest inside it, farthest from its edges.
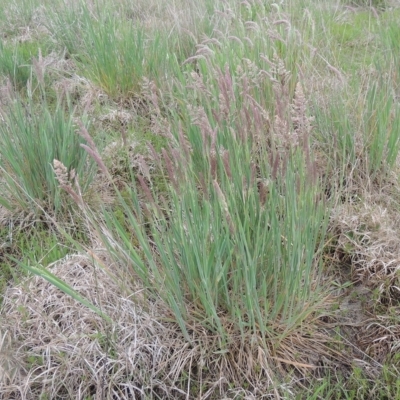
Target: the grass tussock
(31, 138)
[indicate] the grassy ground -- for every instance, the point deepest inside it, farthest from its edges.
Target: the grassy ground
(199, 200)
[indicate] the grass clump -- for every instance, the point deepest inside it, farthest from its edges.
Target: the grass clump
(16, 62)
(232, 248)
(366, 145)
(114, 54)
(31, 137)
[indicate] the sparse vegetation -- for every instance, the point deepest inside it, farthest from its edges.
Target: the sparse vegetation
(199, 200)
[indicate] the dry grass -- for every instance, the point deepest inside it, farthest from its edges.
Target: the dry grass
(366, 232)
(68, 350)
(53, 346)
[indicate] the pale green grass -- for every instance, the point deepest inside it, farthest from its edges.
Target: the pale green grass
(31, 137)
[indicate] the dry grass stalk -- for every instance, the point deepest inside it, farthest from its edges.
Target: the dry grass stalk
(146, 189)
(92, 149)
(161, 126)
(193, 59)
(184, 143)
(302, 125)
(170, 169)
(301, 122)
(253, 73)
(282, 132)
(204, 50)
(39, 67)
(197, 84)
(226, 96)
(154, 153)
(85, 134)
(235, 39)
(281, 86)
(150, 93)
(64, 179)
(226, 162)
(200, 119)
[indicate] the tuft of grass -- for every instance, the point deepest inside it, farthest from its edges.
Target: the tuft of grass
(16, 62)
(31, 137)
(113, 53)
(366, 145)
(390, 37)
(381, 126)
(219, 251)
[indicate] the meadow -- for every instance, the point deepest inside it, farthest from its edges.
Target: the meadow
(200, 199)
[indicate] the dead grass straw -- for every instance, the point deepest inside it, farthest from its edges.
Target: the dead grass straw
(53, 346)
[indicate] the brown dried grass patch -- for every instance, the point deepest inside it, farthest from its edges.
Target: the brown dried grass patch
(52, 345)
(60, 348)
(366, 254)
